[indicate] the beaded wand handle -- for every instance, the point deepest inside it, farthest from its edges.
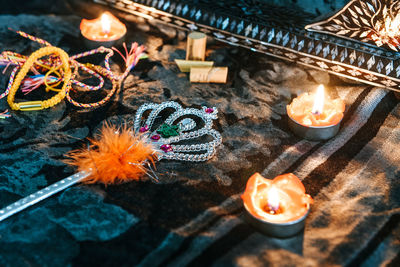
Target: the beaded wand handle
(42, 194)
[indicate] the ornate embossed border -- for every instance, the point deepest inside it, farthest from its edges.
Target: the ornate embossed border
(343, 57)
(365, 21)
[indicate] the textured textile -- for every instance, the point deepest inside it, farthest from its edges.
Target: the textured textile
(194, 216)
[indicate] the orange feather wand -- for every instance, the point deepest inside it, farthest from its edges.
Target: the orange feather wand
(121, 154)
(116, 155)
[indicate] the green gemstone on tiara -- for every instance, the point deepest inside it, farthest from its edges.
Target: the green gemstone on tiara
(167, 130)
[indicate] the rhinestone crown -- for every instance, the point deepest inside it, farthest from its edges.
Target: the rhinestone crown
(181, 136)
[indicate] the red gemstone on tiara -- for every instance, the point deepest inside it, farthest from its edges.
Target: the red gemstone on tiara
(155, 137)
(166, 148)
(144, 129)
(209, 110)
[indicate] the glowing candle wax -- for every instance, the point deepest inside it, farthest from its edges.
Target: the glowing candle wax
(315, 116)
(104, 30)
(316, 109)
(276, 207)
(280, 200)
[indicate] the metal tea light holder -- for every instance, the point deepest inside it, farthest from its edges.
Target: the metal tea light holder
(281, 230)
(276, 217)
(106, 31)
(313, 133)
(92, 44)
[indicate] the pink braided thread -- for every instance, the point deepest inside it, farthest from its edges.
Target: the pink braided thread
(30, 37)
(5, 114)
(131, 58)
(51, 62)
(12, 76)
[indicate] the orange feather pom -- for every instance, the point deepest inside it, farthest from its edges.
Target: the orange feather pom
(116, 155)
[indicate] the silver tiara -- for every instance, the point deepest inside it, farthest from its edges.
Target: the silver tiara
(183, 135)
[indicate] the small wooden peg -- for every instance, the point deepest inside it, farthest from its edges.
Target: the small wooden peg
(185, 65)
(208, 75)
(196, 46)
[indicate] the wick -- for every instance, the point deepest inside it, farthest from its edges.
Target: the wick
(273, 210)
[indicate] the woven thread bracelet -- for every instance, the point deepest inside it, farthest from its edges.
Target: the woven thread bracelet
(58, 67)
(38, 105)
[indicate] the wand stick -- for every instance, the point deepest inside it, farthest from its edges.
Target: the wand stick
(42, 194)
(118, 154)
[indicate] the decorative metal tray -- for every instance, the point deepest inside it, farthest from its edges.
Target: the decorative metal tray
(287, 33)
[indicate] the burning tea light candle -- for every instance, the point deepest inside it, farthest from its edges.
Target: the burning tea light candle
(106, 30)
(315, 116)
(276, 207)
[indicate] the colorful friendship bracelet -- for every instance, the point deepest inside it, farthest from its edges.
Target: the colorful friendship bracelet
(115, 86)
(56, 70)
(38, 105)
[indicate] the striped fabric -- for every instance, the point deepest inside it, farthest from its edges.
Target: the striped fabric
(194, 215)
(354, 179)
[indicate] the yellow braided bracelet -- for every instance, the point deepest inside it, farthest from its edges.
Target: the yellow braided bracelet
(38, 105)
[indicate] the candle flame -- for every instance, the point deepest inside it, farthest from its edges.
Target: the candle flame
(282, 199)
(104, 28)
(273, 199)
(319, 98)
(105, 23)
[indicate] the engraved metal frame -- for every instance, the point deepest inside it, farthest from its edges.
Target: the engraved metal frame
(347, 58)
(365, 21)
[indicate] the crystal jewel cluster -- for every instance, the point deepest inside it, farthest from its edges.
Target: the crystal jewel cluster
(182, 135)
